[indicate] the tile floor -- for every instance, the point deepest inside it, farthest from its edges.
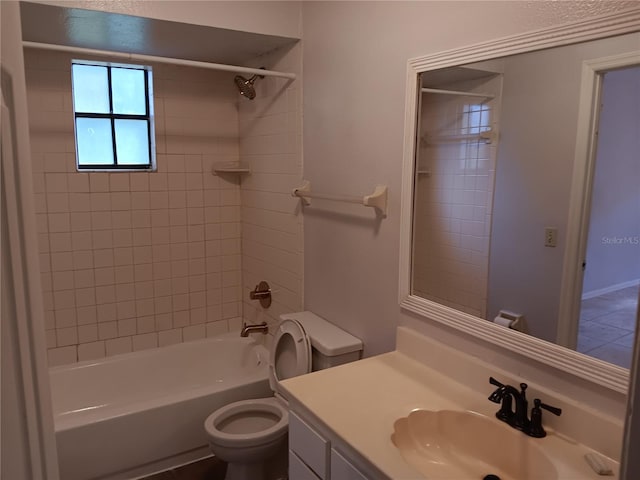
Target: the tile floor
(208, 469)
(607, 326)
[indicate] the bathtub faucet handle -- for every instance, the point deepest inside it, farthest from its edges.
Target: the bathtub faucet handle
(247, 329)
(262, 292)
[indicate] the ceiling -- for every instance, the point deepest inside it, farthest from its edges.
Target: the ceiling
(126, 33)
(446, 76)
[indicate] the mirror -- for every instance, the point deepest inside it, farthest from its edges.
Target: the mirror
(501, 172)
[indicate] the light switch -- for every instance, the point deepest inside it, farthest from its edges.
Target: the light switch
(550, 237)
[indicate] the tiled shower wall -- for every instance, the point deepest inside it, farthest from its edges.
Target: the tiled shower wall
(454, 197)
(137, 260)
(272, 227)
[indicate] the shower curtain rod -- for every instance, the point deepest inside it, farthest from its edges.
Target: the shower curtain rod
(152, 58)
(455, 92)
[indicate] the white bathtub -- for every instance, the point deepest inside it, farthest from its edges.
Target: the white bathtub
(134, 414)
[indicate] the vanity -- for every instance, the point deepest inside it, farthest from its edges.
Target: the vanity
(346, 423)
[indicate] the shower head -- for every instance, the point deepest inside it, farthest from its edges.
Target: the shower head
(245, 87)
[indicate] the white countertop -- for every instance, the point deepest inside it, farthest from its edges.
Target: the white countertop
(360, 401)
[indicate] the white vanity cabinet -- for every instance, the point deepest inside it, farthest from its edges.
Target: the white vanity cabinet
(309, 447)
(342, 469)
(317, 456)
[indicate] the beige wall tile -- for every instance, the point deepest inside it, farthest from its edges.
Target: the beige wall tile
(62, 355)
(91, 351)
(133, 260)
(194, 332)
(216, 328)
(169, 337)
(118, 346)
(145, 341)
(66, 336)
(88, 333)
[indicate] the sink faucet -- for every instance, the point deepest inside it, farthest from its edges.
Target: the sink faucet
(520, 419)
(247, 329)
(506, 393)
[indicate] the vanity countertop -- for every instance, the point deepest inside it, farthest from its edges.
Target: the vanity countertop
(360, 401)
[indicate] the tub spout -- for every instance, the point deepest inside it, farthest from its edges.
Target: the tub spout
(247, 329)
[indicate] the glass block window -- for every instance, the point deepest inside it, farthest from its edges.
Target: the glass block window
(113, 108)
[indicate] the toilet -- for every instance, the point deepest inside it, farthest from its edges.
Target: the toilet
(249, 433)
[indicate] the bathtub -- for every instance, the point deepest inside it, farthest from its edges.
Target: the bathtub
(135, 414)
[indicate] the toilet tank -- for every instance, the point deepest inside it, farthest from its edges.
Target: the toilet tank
(330, 345)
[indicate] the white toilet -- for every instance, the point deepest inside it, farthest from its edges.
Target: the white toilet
(248, 433)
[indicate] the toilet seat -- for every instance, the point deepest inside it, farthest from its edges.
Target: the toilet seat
(245, 408)
(290, 354)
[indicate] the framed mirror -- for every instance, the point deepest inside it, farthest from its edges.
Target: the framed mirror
(509, 183)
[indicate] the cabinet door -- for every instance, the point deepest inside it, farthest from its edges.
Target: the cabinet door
(341, 468)
(310, 446)
(298, 470)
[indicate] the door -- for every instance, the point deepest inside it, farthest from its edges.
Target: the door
(611, 279)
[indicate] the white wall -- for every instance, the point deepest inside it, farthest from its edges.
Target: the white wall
(355, 56)
(613, 249)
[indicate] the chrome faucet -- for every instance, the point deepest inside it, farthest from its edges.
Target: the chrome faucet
(260, 327)
(520, 418)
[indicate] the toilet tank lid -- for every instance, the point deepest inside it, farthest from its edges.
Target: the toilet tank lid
(325, 337)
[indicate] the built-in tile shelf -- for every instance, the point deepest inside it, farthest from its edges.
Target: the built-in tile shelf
(229, 168)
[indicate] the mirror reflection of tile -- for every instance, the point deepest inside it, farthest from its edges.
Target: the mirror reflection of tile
(607, 325)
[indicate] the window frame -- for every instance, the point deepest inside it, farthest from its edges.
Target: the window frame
(111, 116)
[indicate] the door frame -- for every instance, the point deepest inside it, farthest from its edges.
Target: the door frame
(28, 447)
(581, 191)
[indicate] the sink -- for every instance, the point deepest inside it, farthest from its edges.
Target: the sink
(457, 445)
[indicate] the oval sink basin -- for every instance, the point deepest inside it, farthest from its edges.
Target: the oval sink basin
(456, 445)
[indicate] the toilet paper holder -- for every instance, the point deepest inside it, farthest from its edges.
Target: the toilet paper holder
(514, 321)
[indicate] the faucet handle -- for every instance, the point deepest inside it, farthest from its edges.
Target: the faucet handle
(555, 410)
(498, 394)
(535, 427)
(495, 382)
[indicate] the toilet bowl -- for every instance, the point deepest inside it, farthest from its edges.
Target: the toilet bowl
(251, 434)
(247, 433)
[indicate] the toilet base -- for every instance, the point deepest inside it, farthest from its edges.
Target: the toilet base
(245, 471)
(275, 467)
